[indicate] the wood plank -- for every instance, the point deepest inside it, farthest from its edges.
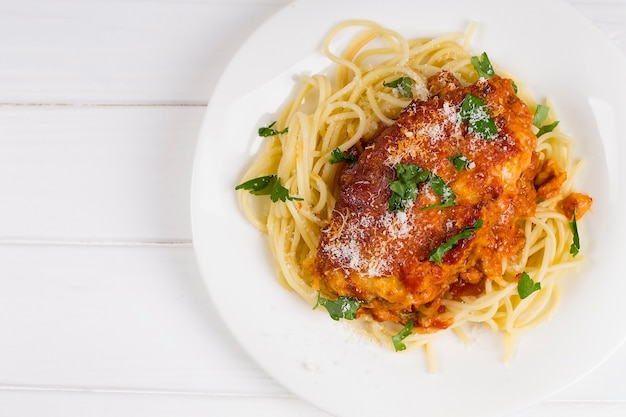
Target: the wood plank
(147, 52)
(116, 318)
(18, 403)
(119, 51)
(97, 173)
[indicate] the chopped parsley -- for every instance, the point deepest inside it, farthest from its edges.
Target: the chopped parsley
(526, 286)
(437, 254)
(270, 131)
(547, 128)
(482, 65)
(404, 189)
(403, 334)
(460, 162)
(474, 110)
(267, 185)
(540, 116)
(341, 308)
(443, 190)
(403, 85)
(337, 156)
(541, 113)
(575, 246)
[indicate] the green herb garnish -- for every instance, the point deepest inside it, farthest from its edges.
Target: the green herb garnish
(460, 162)
(514, 86)
(474, 110)
(575, 246)
(547, 128)
(404, 333)
(482, 65)
(404, 190)
(341, 308)
(267, 185)
(540, 116)
(438, 253)
(337, 156)
(258, 186)
(443, 190)
(402, 85)
(541, 113)
(526, 286)
(270, 131)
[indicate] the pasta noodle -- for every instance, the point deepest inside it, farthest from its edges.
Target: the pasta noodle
(340, 111)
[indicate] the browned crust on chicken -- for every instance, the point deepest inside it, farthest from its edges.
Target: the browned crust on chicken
(382, 257)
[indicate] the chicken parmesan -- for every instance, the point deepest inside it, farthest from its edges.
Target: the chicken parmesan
(383, 255)
(418, 189)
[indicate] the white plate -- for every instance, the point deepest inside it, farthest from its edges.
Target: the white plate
(552, 49)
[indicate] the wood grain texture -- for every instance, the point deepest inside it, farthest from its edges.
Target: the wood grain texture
(85, 173)
(101, 404)
(116, 318)
(68, 51)
(134, 52)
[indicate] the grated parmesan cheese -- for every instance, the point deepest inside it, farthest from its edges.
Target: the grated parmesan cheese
(347, 253)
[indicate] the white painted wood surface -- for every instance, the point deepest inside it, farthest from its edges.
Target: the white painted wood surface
(102, 308)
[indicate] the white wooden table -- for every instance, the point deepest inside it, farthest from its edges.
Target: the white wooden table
(102, 309)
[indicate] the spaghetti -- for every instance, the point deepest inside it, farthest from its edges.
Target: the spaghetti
(338, 116)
